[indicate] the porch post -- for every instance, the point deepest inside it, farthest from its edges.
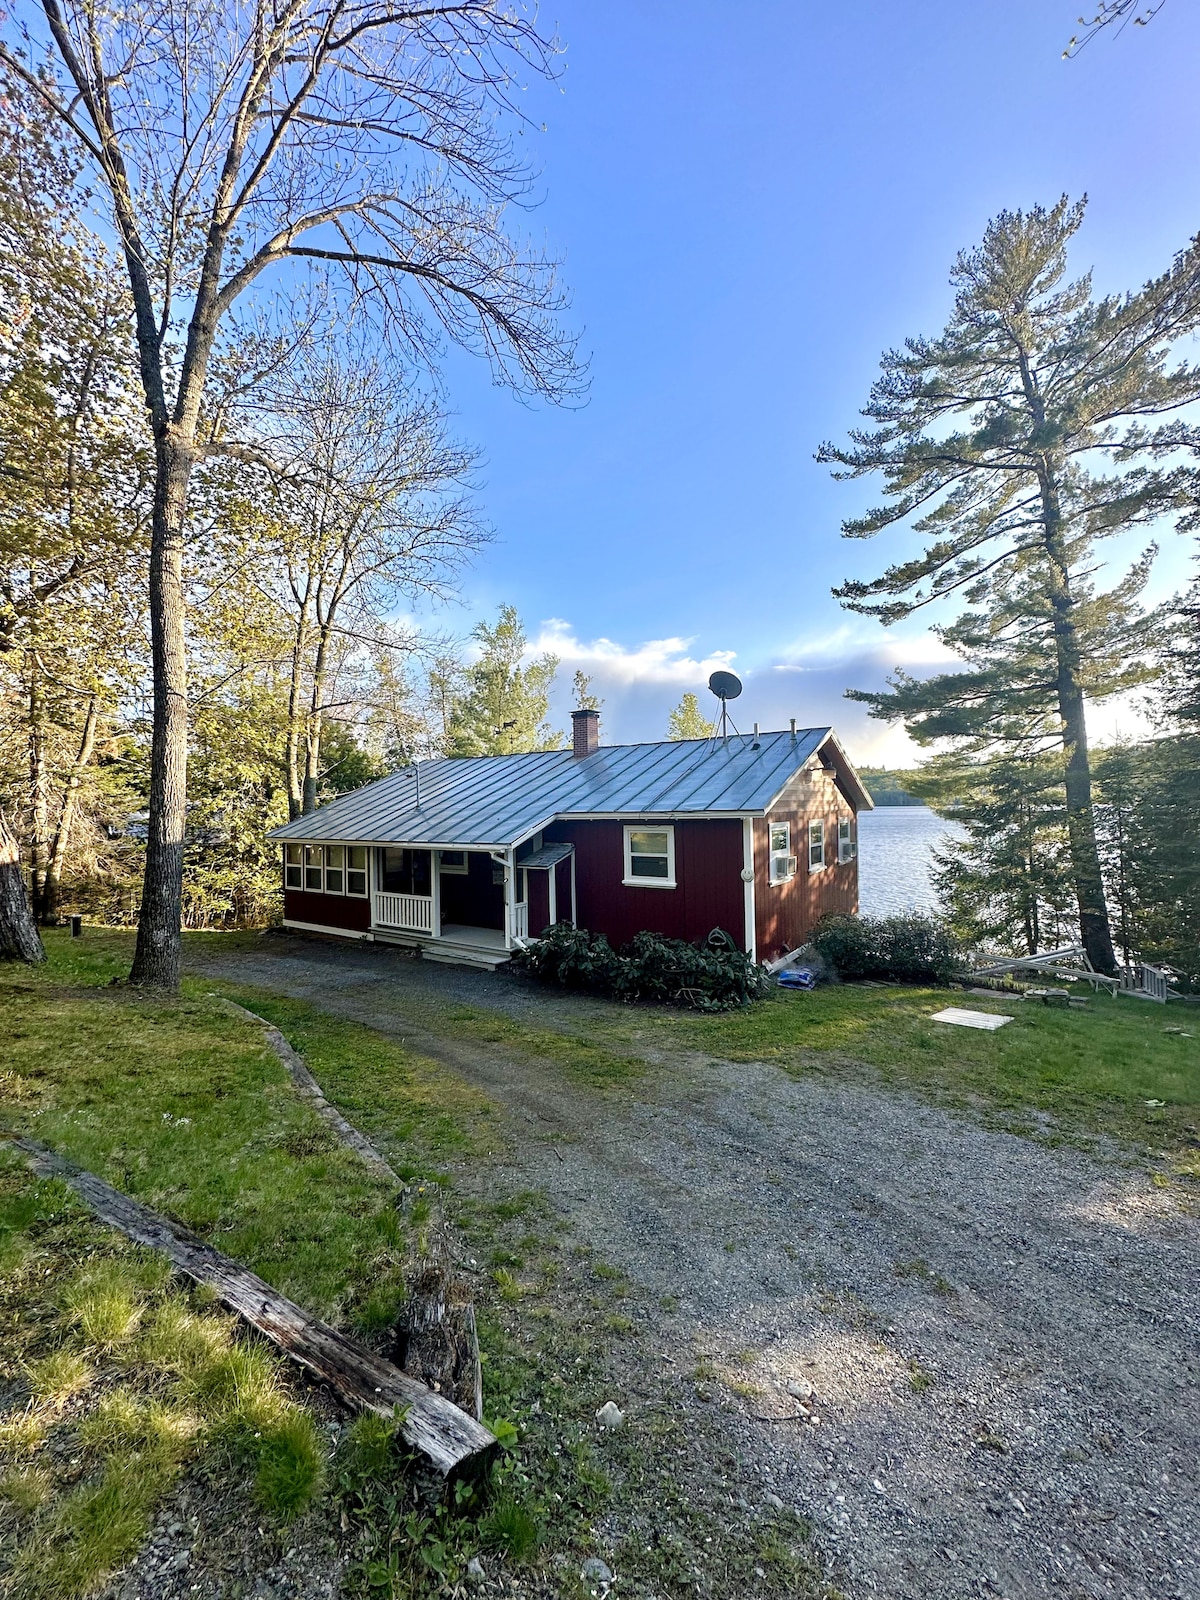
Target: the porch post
(510, 897)
(435, 890)
(552, 894)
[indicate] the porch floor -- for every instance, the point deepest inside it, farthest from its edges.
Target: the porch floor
(485, 938)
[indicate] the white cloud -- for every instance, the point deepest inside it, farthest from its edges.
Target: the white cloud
(639, 684)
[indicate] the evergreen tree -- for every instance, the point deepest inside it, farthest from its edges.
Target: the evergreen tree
(686, 721)
(505, 704)
(585, 700)
(1008, 882)
(988, 438)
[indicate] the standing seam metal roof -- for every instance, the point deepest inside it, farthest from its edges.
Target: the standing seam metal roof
(482, 801)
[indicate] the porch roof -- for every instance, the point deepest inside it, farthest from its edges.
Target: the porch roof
(493, 802)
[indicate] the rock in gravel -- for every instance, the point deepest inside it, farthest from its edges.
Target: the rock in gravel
(798, 1389)
(610, 1415)
(475, 1569)
(773, 1500)
(596, 1571)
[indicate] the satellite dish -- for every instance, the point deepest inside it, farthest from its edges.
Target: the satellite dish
(726, 686)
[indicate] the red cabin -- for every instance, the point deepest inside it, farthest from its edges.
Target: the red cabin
(466, 858)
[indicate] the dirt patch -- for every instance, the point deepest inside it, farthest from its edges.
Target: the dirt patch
(990, 1345)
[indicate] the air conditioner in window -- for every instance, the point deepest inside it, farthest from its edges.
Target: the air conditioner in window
(782, 868)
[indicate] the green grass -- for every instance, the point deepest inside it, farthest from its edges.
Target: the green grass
(123, 1382)
(1089, 1071)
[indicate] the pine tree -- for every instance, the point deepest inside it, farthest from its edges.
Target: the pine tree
(505, 705)
(585, 700)
(1007, 882)
(987, 438)
(686, 722)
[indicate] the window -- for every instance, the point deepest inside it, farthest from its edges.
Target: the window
(335, 868)
(650, 857)
(783, 862)
(313, 866)
(847, 843)
(816, 845)
(293, 866)
(356, 869)
(454, 861)
(406, 871)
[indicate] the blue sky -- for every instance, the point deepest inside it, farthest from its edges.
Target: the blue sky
(752, 203)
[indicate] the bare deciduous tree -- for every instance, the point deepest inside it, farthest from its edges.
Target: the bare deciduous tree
(364, 138)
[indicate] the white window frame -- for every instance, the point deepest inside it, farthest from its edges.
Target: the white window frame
(629, 881)
(296, 866)
(365, 869)
(457, 869)
(332, 871)
(816, 863)
(847, 840)
(315, 863)
(781, 861)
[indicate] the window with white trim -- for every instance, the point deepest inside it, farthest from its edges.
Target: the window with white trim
(454, 861)
(847, 842)
(356, 869)
(314, 867)
(335, 868)
(782, 861)
(650, 857)
(816, 846)
(293, 866)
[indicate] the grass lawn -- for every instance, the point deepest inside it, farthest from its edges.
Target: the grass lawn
(1058, 1074)
(117, 1385)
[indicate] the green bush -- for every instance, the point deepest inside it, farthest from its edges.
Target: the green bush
(712, 976)
(906, 949)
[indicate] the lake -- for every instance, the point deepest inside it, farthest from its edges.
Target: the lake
(895, 858)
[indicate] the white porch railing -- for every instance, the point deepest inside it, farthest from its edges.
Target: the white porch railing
(519, 920)
(412, 912)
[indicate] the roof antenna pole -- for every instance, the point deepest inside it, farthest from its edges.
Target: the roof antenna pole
(726, 686)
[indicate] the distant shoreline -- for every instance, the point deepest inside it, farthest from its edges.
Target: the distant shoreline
(885, 788)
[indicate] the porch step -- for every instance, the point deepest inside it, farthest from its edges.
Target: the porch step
(455, 952)
(463, 955)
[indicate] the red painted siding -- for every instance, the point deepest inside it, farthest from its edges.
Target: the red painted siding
(562, 880)
(538, 890)
(709, 893)
(785, 913)
(327, 910)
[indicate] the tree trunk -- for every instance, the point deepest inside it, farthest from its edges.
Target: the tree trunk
(1094, 929)
(312, 731)
(157, 958)
(294, 714)
(66, 817)
(38, 809)
(19, 938)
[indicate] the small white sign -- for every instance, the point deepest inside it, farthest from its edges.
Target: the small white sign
(970, 1019)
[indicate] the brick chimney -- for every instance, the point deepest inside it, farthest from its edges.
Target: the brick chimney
(585, 726)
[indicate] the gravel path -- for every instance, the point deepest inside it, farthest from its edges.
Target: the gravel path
(991, 1346)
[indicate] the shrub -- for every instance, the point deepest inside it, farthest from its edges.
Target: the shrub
(906, 949)
(712, 976)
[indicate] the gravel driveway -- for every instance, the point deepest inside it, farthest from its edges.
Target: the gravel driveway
(991, 1346)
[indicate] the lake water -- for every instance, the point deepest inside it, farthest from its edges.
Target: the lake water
(895, 858)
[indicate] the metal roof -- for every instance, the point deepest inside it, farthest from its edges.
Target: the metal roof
(548, 856)
(482, 802)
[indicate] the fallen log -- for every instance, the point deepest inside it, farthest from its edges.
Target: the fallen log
(453, 1442)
